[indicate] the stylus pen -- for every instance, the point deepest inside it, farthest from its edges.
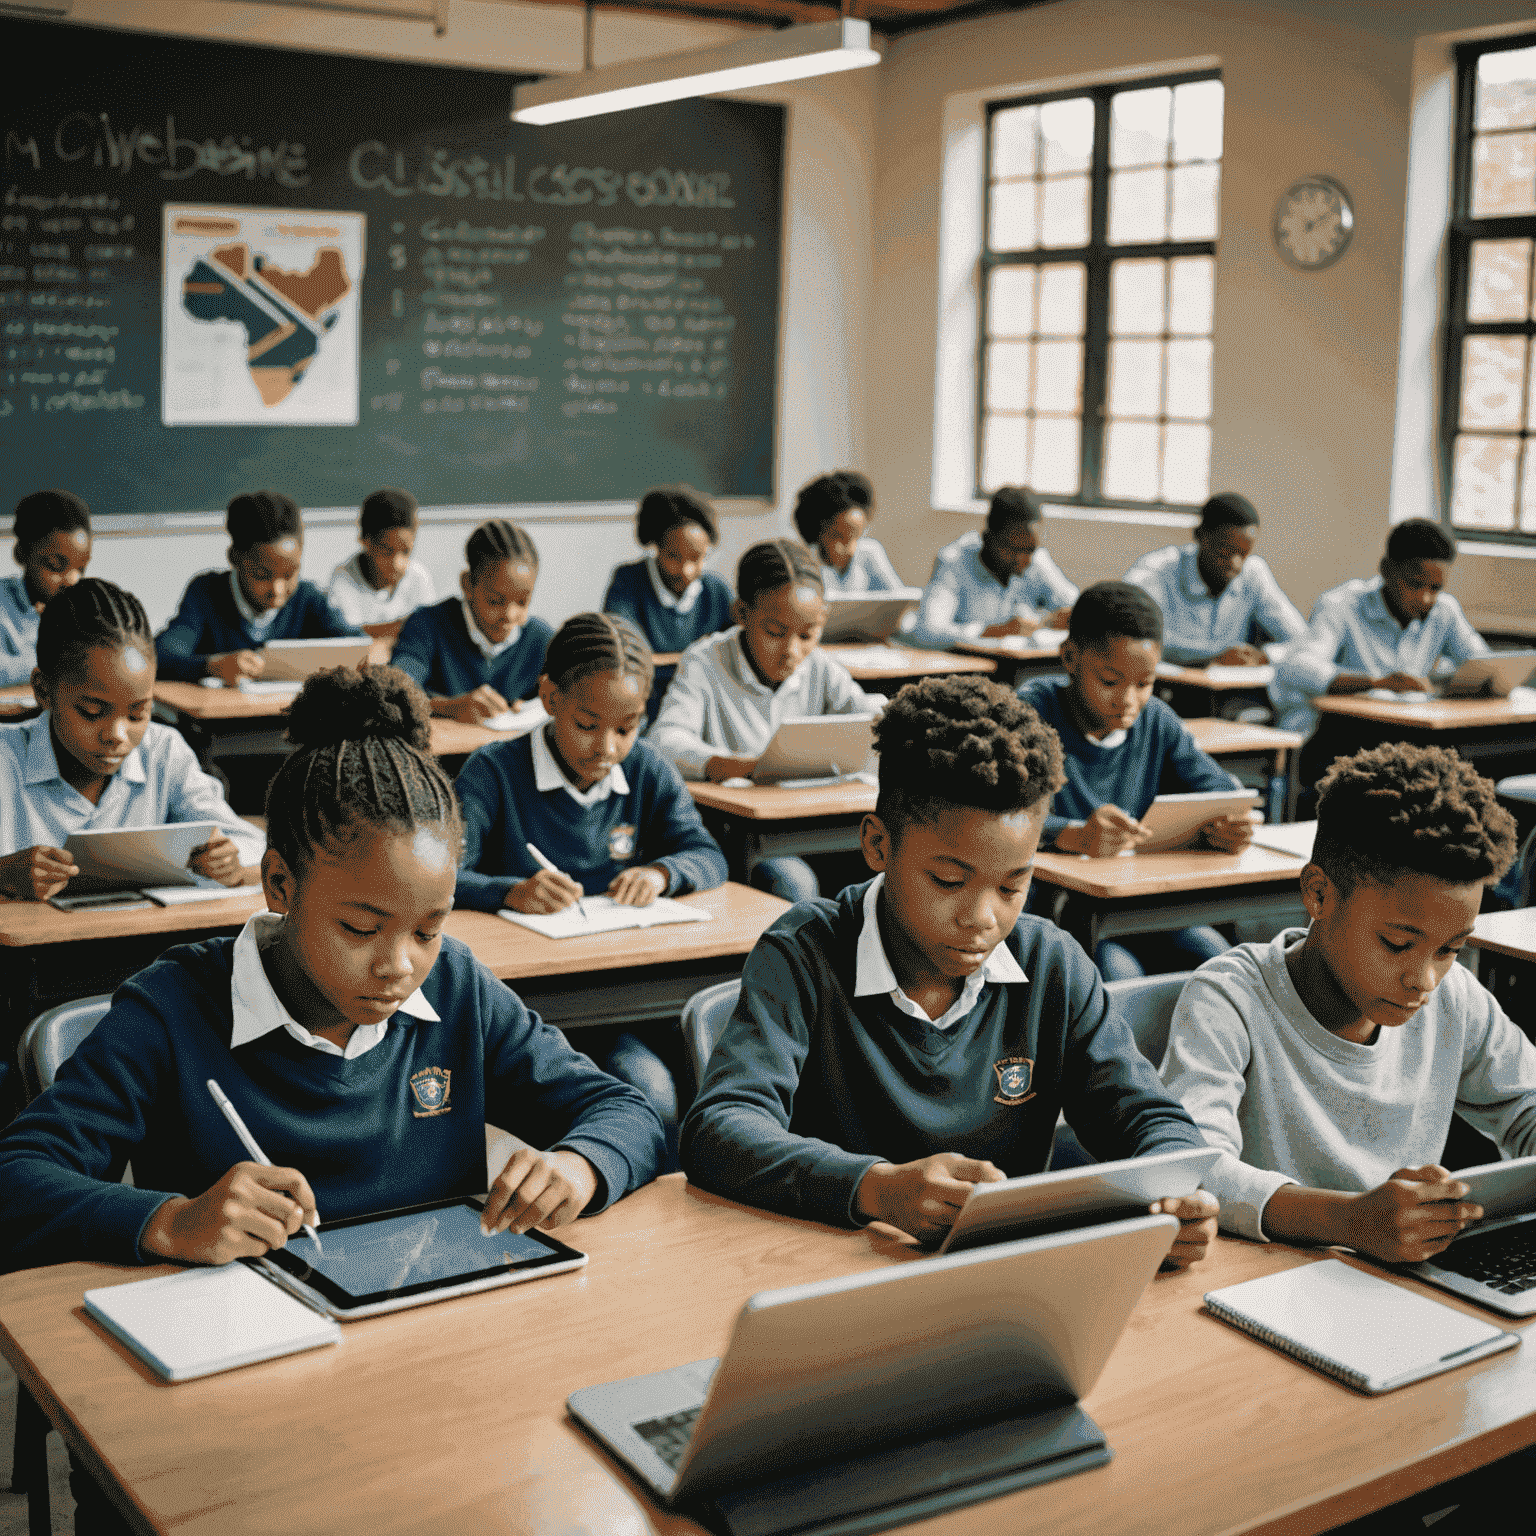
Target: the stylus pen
(543, 863)
(238, 1126)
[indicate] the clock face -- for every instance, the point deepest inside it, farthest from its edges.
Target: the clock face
(1314, 221)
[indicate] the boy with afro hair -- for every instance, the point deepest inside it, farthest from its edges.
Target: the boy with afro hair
(1326, 1064)
(920, 1034)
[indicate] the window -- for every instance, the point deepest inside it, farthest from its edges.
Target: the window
(1098, 283)
(1488, 413)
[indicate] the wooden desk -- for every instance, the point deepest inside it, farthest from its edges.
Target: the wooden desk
(766, 822)
(1193, 691)
(1160, 892)
(894, 665)
(635, 975)
(1017, 656)
(1278, 753)
(1498, 735)
(451, 1418)
(1504, 953)
(18, 702)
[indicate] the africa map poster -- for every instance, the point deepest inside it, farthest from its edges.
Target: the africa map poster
(260, 316)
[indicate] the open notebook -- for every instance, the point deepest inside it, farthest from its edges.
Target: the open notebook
(605, 915)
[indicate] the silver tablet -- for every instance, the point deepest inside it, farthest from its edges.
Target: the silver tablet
(867, 615)
(291, 661)
(130, 858)
(817, 746)
(1173, 820)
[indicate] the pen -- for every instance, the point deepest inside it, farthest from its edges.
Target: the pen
(543, 863)
(238, 1126)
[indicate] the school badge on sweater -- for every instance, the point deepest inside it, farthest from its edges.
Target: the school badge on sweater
(429, 1088)
(1014, 1075)
(621, 842)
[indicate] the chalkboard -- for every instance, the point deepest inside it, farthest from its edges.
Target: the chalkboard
(227, 267)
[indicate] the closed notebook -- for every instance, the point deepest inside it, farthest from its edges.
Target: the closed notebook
(202, 1321)
(1369, 1333)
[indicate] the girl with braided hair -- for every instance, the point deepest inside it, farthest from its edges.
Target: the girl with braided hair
(93, 760)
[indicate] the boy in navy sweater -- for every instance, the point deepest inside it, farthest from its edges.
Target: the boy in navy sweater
(226, 617)
(1123, 749)
(919, 1034)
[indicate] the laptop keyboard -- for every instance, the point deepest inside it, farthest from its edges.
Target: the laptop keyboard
(669, 1436)
(1503, 1261)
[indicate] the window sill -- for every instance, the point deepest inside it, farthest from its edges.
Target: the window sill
(1149, 517)
(1466, 546)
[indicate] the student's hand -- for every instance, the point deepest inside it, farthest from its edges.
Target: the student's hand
(1104, 833)
(1197, 1226)
(639, 887)
(35, 874)
(1019, 624)
(250, 1211)
(1411, 1217)
(217, 859)
(231, 666)
(1402, 682)
(1228, 834)
(924, 1197)
(539, 1189)
(472, 708)
(718, 769)
(388, 631)
(549, 890)
(1240, 656)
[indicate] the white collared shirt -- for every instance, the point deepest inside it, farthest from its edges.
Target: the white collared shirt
(872, 973)
(665, 595)
(257, 1011)
(257, 620)
(485, 647)
(359, 602)
(547, 776)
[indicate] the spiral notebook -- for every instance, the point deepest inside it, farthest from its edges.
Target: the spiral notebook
(1362, 1330)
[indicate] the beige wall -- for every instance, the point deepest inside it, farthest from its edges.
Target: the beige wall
(1306, 363)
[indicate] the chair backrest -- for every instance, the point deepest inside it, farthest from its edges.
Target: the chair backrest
(704, 1017)
(51, 1039)
(1147, 1004)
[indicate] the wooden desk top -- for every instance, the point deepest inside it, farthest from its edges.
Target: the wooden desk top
(1014, 647)
(738, 914)
(767, 802)
(871, 663)
(451, 1417)
(1435, 714)
(27, 924)
(199, 703)
(17, 700)
(1221, 737)
(1507, 933)
(1157, 874)
(666, 658)
(1218, 679)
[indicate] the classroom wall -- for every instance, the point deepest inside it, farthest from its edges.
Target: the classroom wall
(1306, 370)
(829, 189)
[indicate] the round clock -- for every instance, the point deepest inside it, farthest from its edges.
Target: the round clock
(1314, 221)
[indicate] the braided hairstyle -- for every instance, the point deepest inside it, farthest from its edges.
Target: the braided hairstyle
(497, 542)
(45, 512)
(77, 619)
(820, 502)
(589, 643)
(262, 517)
(1395, 808)
(666, 507)
(962, 741)
(773, 564)
(385, 509)
(363, 760)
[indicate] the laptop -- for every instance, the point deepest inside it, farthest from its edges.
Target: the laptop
(878, 1398)
(817, 747)
(1493, 676)
(1493, 1261)
(291, 661)
(867, 615)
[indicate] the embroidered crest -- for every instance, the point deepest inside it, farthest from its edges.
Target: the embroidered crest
(429, 1088)
(1014, 1074)
(621, 842)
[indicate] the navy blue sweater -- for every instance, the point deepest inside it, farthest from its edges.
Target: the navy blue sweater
(631, 596)
(655, 823)
(435, 648)
(809, 1086)
(136, 1090)
(208, 624)
(1157, 757)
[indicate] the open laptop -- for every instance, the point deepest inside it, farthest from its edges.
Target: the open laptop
(1496, 675)
(291, 661)
(878, 1398)
(817, 747)
(867, 615)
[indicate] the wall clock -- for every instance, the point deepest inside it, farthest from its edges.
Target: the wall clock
(1314, 222)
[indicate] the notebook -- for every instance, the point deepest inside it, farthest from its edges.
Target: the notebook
(202, 1321)
(604, 915)
(1367, 1332)
(1294, 837)
(528, 716)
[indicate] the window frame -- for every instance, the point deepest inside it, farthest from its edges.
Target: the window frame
(1462, 232)
(1097, 256)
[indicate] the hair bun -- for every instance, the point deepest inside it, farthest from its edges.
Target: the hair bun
(370, 703)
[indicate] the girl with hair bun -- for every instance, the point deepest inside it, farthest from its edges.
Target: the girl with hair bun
(52, 530)
(364, 1049)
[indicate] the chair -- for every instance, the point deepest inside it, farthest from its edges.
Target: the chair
(704, 1018)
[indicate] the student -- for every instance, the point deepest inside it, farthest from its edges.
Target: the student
(1219, 599)
(1327, 1064)
(732, 690)
(479, 654)
(226, 617)
(381, 586)
(1389, 631)
(1124, 748)
(52, 530)
(920, 1034)
(93, 760)
(831, 515)
(996, 583)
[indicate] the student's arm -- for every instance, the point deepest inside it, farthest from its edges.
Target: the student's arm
(840, 695)
(1497, 1091)
(342, 594)
(882, 574)
(1188, 770)
(937, 625)
(482, 802)
(679, 731)
(1311, 665)
(1051, 591)
(1462, 642)
(197, 796)
(179, 647)
(675, 839)
(1273, 611)
(620, 601)
(415, 648)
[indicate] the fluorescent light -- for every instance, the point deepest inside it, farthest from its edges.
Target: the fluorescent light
(763, 59)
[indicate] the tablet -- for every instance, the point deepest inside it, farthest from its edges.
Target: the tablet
(1496, 675)
(129, 858)
(816, 747)
(1075, 1197)
(294, 660)
(1173, 820)
(366, 1265)
(867, 615)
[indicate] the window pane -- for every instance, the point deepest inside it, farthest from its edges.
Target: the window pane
(1492, 376)
(1528, 494)
(1067, 127)
(1502, 172)
(1130, 460)
(1136, 297)
(1500, 280)
(1196, 201)
(1054, 468)
(1197, 120)
(1064, 212)
(1008, 375)
(1186, 463)
(1189, 379)
(1004, 456)
(1138, 206)
(1059, 376)
(1013, 216)
(1013, 141)
(1061, 299)
(1138, 127)
(1192, 296)
(1011, 301)
(1483, 483)
(1506, 89)
(1135, 378)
